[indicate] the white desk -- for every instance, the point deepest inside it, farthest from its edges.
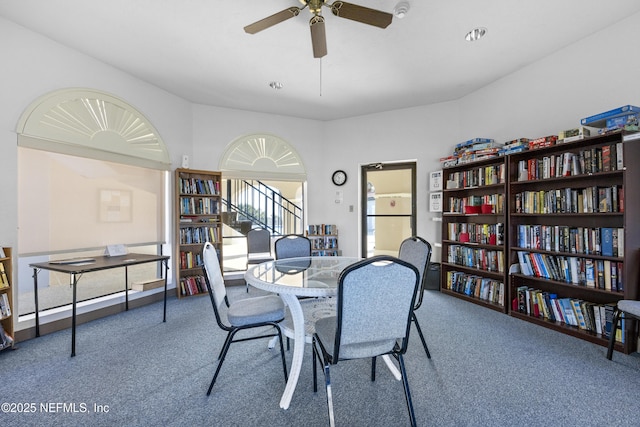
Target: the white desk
(295, 277)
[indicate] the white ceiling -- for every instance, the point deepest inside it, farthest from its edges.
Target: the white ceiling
(198, 49)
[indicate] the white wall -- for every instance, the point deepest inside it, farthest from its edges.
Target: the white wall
(32, 66)
(593, 75)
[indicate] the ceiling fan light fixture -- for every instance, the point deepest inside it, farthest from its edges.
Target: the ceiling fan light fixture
(401, 9)
(475, 34)
(276, 85)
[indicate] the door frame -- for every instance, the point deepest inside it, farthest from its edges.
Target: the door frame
(390, 166)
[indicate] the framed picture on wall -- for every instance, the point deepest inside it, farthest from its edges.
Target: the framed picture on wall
(435, 202)
(435, 181)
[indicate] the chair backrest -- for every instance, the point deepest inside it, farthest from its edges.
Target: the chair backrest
(258, 240)
(213, 279)
(292, 246)
(417, 251)
(375, 300)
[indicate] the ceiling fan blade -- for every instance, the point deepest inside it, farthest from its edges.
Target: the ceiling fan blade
(362, 14)
(272, 20)
(318, 36)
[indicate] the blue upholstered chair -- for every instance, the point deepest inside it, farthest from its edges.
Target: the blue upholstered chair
(627, 309)
(240, 315)
(417, 251)
(375, 301)
(292, 246)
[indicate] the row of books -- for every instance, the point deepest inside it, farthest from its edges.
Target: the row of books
(571, 200)
(328, 242)
(585, 315)
(477, 177)
(192, 285)
(480, 258)
(473, 204)
(322, 229)
(5, 307)
(485, 234)
(594, 160)
(199, 186)
(4, 280)
(333, 252)
(483, 288)
(580, 271)
(606, 241)
(203, 234)
(189, 259)
(198, 206)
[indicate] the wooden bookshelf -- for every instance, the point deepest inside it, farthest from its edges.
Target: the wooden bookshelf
(6, 299)
(324, 240)
(198, 207)
(474, 218)
(560, 226)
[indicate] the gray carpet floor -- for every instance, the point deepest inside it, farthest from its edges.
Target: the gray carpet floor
(487, 369)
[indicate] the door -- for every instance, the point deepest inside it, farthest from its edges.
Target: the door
(388, 207)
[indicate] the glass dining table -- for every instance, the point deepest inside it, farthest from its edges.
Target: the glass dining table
(292, 278)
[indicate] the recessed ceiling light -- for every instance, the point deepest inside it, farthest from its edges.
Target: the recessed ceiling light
(475, 34)
(401, 9)
(276, 85)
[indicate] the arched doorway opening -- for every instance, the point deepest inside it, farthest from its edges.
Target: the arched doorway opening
(264, 182)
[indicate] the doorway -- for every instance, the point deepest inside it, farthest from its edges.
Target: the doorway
(388, 207)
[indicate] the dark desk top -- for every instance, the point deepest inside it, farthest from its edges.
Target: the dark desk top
(102, 262)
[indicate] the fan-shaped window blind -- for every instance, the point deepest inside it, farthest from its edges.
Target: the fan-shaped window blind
(91, 172)
(262, 156)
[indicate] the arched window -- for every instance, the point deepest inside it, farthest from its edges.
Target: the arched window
(92, 171)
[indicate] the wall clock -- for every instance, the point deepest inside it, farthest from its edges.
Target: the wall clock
(339, 177)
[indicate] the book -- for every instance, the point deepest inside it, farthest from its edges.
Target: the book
(6, 306)
(606, 241)
(577, 309)
(600, 117)
(4, 280)
(569, 315)
(607, 275)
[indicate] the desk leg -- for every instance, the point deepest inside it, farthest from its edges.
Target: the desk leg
(73, 316)
(298, 348)
(166, 275)
(35, 296)
(126, 288)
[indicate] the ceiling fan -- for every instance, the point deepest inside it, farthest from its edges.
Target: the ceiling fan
(341, 9)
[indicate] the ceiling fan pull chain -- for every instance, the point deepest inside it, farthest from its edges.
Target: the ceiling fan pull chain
(320, 76)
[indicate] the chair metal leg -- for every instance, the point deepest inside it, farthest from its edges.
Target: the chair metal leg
(407, 392)
(327, 380)
(315, 373)
(227, 343)
(223, 354)
(614, 329)
(373, 368)
(424, 343)
(284, 362)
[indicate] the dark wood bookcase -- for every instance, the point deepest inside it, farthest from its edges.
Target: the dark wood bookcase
(198, 207)
(562, 223)
(474, 226)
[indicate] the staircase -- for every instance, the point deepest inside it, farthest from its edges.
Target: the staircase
(252, 204)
